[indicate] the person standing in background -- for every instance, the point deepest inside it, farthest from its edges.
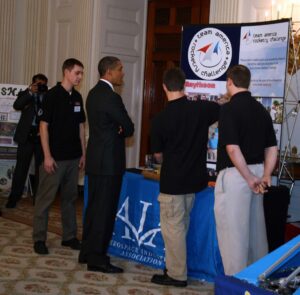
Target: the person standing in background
(247, 155)
(213, 145)
(63, 142)
(179, 136)
(27, 136)
(109, 125)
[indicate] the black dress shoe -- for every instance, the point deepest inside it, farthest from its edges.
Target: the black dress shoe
(167, 281)
(11, 204)
(82, 259)
(73, 244)
(106, 268)
(40, 248)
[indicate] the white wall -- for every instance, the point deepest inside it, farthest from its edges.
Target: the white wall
(122, 33)
(38, 35)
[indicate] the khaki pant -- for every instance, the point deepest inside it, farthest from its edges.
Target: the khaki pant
(174, 222)
(240, 220)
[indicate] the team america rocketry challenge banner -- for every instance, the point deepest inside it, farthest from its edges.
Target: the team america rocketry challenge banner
(209, 50)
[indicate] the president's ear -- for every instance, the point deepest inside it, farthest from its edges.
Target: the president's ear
(165, 87)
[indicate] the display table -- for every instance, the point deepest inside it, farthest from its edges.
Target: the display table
(137, 234)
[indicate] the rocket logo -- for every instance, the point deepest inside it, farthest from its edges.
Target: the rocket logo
(209, 53)
(247, 37)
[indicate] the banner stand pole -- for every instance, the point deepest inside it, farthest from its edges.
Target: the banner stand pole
(293, 113)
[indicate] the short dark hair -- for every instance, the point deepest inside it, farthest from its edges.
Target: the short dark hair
(70, 63)
(39, 77)
(240, 76)
(174, 79)
(107, 63)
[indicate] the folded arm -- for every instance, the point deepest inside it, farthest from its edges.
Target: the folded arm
(24, 99)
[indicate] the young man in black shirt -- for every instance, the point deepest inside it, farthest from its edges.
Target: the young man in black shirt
(63, 142)
(179, 137)
(247, 154)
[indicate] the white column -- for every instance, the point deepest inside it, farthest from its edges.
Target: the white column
(239, 11)
(224, 11)
(6, 32)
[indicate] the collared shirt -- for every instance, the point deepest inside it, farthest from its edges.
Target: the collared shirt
(63, 112)
(246, 123)
(180, 132)
(107, 82)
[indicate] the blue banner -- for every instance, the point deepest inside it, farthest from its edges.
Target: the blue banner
(137, 235)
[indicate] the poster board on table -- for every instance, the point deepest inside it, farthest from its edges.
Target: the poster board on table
(207, 51)
(9, 118)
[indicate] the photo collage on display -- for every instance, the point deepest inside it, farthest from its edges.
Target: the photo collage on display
(213, 133)
(9, 118)
(275, 108)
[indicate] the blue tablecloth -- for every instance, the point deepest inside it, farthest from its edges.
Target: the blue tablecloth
(137, 234)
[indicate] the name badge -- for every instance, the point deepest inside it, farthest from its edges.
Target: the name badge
(76, 109)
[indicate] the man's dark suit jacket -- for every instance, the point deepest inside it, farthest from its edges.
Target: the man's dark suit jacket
(24, 103)
(106, 147)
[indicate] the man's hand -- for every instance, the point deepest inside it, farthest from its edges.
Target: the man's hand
(33, 87)
(82, 162)
(50, 165)
(266, 182)
(254, 183)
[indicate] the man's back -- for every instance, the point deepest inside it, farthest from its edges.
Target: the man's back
(180, 132)
(106, 145)
(245, 122)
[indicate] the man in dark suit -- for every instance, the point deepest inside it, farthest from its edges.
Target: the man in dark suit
(27, 136)
(109, 125)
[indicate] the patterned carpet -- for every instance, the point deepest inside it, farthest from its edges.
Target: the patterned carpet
(22, 272)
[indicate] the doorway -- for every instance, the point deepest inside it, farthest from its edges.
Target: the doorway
(164, 24)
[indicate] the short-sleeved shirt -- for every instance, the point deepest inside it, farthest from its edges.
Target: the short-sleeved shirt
(180, 132)
(63, 111)
(246, 123)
